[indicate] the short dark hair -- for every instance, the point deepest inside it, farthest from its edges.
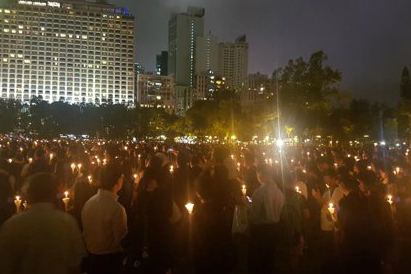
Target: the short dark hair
(40, 153)
(40, 188)
(109, 175)
(264, 170)
(367, 177)
(349, 181)
(330, 173)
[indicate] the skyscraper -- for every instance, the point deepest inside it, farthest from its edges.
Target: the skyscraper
(207, 54)
(233, 62)
(74, 51)
(161, 63)
(183, 30)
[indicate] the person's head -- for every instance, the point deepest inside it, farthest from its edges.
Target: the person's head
(40, 188)
(111, 177)
(366, 181)
(264, 173)
(347, 182)
(323, 163)
(40, 154)
(330, 178)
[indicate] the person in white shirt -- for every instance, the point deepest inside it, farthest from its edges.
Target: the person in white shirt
(105, 223)
(332, 194)
(42, 239)
(267, 204)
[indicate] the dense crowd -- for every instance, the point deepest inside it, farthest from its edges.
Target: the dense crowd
(137, 207)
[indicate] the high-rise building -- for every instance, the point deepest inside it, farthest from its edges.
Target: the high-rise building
(258, 85)
(183, 30)
(207, 54)
(233, 62)
(75, 51)
(155, 91)
(161, 63)
(139, 69)
(207, 84)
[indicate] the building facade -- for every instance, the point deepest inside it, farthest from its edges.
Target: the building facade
(73, 51)
(155, 91)
(183, 30)
(207, 54)
(233, 62)
(161, 63)
(258, 85)
(207, 84)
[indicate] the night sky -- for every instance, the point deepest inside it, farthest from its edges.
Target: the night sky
(369, 41)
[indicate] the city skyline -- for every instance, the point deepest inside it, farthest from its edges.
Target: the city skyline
(369, 43)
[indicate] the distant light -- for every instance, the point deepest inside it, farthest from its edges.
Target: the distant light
(280, 143)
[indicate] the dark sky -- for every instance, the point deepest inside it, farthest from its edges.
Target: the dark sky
(369, 41)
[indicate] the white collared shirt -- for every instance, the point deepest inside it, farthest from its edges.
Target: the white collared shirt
(104, 222)
(39, 241)
(268, 201)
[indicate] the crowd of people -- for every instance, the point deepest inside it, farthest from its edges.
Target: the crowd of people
(144, 207)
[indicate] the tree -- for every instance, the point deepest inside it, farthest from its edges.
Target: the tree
(405, 103)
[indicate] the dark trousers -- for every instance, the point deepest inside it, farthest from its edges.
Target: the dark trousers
(104, 264)
(262, 247)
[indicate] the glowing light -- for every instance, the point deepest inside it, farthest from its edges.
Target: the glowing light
(331, 208)
(190, 207)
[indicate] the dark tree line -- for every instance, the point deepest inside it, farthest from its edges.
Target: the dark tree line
(303, 100)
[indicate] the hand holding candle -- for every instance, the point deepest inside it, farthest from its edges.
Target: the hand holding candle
(244, 190)
(331, 208)
(66, 200)
(190, 208)
(17, 202)
(389, 199)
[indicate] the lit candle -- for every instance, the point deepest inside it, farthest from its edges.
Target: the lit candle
(369, 167)
(79, 166)
(51, 156)
(297, 189)
(232, 156)
(66, 200)
(397, 169)
(73, 167)
(10, 160)
(125, 148)
(327, 185)
(244, 190)
(90, 178)
(25, 205)
(171, 168)
(190, 207)
(104, 161)
(238, 166)
(30, 160)
(389, 199)
(304, 171)
(17, 202)
(331, 208)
